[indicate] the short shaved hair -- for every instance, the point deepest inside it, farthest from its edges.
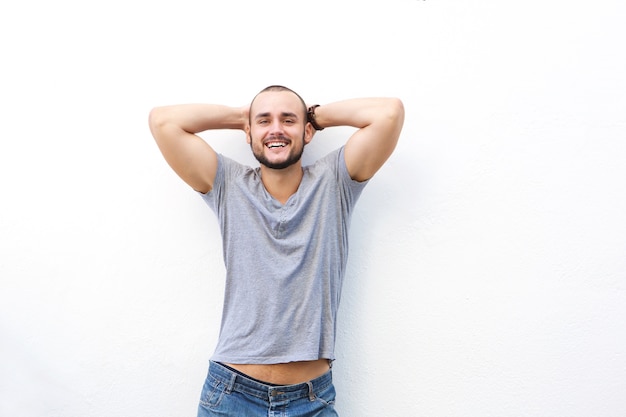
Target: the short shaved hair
(280, 88)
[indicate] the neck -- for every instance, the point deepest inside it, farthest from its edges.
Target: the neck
(282, 183)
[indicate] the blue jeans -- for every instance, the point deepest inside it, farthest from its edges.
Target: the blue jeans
(228, 393)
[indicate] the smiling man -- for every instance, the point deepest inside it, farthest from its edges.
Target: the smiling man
(284, 230)
(278, 140)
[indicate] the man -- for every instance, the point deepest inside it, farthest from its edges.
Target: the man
(284, 229)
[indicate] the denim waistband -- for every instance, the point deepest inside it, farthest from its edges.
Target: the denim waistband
(236, 382)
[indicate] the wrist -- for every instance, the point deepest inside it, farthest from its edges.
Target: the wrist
(312, 117)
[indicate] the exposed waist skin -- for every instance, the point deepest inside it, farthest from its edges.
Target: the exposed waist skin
(285, 373)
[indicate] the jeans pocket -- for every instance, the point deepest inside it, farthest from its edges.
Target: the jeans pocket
(327, 396)
(212, 392)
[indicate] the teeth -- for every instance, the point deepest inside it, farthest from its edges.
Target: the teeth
(276, 145)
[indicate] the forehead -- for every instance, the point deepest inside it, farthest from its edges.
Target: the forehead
(276, 101)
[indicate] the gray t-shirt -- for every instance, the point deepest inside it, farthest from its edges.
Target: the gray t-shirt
(285, 264)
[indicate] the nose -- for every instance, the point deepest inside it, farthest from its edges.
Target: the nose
(276, 126)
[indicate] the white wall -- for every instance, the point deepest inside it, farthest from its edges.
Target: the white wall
(487, 274)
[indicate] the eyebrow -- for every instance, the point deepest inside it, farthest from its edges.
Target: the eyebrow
(283, 114)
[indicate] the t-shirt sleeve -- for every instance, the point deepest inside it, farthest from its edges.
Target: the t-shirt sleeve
(213, 198)
(351, 189)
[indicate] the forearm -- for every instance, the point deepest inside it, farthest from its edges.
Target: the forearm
(195, 118)
(175, 130)
(379, 122)
(358, 112)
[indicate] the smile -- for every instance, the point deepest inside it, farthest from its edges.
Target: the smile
(271, 144)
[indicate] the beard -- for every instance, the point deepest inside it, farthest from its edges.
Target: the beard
(294, 155)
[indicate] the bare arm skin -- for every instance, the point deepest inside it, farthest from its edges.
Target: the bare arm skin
(174, 128)
(379, 122)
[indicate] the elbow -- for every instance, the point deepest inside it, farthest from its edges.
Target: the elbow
(394, 114)
(156, 118)
(159, 121)
(395, 109)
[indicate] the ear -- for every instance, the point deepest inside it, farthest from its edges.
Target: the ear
(309, 132)
(248, 137)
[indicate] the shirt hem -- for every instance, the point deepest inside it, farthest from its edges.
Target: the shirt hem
(245, 360)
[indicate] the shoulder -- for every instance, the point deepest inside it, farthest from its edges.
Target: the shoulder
(333, 167)
(230, 168)
(330, 161)
(230, 171)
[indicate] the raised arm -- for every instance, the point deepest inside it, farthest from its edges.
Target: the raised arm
(379, 122)
(174, 128)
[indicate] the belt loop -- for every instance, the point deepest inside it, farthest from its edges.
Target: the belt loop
(231, 383)
(311, 393)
